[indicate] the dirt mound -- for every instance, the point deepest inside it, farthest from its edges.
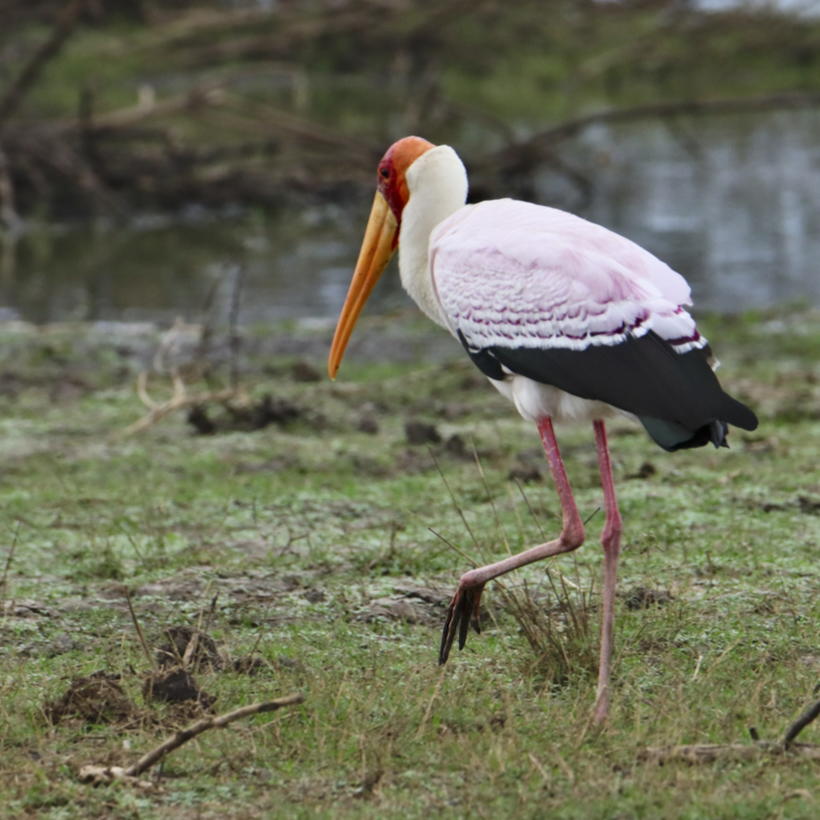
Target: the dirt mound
(96, 699)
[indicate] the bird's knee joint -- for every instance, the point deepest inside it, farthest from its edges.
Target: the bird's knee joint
(469, 580)
(612, 532)
(573, 537)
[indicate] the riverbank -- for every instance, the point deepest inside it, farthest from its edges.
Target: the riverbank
(318, 551)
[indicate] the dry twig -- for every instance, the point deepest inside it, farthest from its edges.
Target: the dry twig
(190, 650)
(709, 752)
(140, 635)
(106, 774)
(166, 361)
(809, 715)
(181, 400)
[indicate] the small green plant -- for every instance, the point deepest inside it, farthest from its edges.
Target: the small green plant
(559, 625)
(102, 564)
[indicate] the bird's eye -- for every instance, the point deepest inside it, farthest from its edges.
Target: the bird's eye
(384, 172)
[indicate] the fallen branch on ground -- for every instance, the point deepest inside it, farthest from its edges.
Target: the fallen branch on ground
(96, 775)
(709, 752)
(181, 400)
(234, 398)
(808, 715)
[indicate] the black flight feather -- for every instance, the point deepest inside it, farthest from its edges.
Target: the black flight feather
(676, 396)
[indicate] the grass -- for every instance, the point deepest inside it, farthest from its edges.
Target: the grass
(320, 541)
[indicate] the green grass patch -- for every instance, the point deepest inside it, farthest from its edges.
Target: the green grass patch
(326, 551)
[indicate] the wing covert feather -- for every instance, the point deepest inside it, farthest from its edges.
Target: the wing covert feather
(514, 274)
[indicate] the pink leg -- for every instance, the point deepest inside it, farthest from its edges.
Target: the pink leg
(611, 540)
(463, 611)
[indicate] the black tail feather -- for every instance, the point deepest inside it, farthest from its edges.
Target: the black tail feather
(676, 396)
(671, 436)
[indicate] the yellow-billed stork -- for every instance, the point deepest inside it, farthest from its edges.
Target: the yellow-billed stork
(567, 319)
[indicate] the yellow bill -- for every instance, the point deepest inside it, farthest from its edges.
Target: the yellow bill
(378, 247)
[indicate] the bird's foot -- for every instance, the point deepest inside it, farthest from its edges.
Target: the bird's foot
(461, 615)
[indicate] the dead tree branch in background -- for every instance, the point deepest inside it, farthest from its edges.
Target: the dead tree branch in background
(510, 170)
(280, 101)
(202, 94)
(62, 31)
(544, 143)
(8, 210)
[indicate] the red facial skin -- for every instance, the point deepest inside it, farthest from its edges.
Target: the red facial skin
(392, 184)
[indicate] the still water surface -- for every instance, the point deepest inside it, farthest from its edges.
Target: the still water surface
(732, 203)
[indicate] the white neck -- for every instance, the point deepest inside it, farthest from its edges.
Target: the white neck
(437, 186)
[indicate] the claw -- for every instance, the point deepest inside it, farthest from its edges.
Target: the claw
(461, 615)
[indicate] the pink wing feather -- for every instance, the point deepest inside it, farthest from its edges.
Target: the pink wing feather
(514, 274)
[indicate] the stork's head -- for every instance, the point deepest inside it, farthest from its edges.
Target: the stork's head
(381, 237)
(392, 174)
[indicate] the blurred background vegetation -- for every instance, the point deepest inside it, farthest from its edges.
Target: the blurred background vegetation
(111, 106)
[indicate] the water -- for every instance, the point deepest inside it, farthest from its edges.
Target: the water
(732, 203)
